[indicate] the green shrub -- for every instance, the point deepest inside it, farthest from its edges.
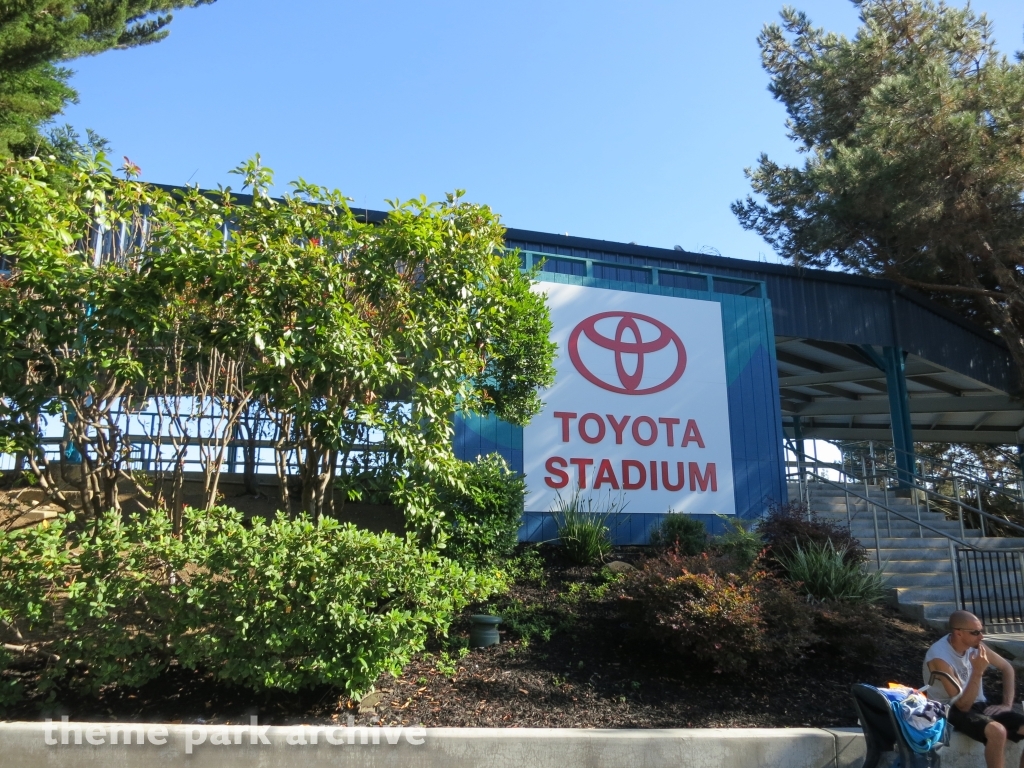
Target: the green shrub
(583, 527)
(824, 572)
(368, 486)
(483, 521)
(289, 604)
(739, 542)
(119, 607)
(686, 533)
(292, 604)
(33, 566)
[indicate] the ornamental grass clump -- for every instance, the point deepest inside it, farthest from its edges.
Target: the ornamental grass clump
(824, 572)
(583, 527)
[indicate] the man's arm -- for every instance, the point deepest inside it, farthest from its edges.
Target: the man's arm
(978, 666)
(1009, 681)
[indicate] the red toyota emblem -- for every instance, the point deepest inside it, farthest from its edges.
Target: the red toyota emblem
(628, 383)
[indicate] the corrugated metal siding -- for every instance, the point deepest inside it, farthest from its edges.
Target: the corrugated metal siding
(826, 306)
(755, 419)
(937, 338)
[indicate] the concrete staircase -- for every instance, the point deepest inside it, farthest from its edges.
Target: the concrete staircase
(916, 561)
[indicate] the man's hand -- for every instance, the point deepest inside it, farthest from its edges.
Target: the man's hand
(980, 660)
(996, 709)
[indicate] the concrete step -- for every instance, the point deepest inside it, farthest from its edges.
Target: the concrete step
(914, 567)
(906, 530)
(936, 615)
(926, 594)
(936, 542)
(914, 561)
(859, 506)
(862, 518)
(906, 542)
(896, 502)
(860, 510)
(918, 579)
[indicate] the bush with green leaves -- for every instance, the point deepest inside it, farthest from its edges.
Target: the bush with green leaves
(739, 541)
(824, 572)
(344, 336)
(583, 526)
(685, 533)
(482, 518)
(290, 604)
(33, 565)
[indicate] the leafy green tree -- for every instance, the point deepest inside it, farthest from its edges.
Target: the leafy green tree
(83, 318)
(352, 337)
(386, 329)
(37, 36)
(914, 149)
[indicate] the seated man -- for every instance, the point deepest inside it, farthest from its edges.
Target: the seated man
(963, 656)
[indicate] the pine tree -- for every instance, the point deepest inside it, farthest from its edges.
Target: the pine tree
(37, 36)
(913, 132)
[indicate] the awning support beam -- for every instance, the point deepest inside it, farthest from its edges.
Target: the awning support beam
(893, 361)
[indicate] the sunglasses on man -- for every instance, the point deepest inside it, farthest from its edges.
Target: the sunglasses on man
(971, 632)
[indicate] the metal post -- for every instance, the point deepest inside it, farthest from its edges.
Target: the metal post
(917, 506)
(888, 517)
(1020, 475)
(846, 492)
(959, 506)
(1020, 585)
(798, 437)
(981, 517)
(878, 541)
(894, 365)
(956, 575)
(867, 494)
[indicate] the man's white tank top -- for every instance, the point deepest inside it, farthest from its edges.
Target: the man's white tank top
(960, 663)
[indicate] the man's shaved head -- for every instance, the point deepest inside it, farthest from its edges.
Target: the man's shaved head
(959, 619)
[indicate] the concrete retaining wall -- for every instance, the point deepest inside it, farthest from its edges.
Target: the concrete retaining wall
(37, 745)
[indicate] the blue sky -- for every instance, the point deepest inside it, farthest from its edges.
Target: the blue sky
(612, 120)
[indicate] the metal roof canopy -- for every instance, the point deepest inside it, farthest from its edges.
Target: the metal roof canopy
(948, 379)
(835, 335)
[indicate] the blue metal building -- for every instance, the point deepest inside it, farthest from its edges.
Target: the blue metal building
(810, 354)
(754, 416)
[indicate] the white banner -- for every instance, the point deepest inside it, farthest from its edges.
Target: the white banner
(638, 407)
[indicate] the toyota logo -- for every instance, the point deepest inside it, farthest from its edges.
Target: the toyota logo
(630, 340)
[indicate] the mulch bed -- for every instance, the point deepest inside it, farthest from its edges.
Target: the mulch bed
(594, 672)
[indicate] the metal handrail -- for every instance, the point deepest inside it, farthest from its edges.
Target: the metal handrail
(965, 471)
(887, 508)
(958, 502)
(956, 546)
(919, 485)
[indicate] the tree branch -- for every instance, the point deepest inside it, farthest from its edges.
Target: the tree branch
(938, 288)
